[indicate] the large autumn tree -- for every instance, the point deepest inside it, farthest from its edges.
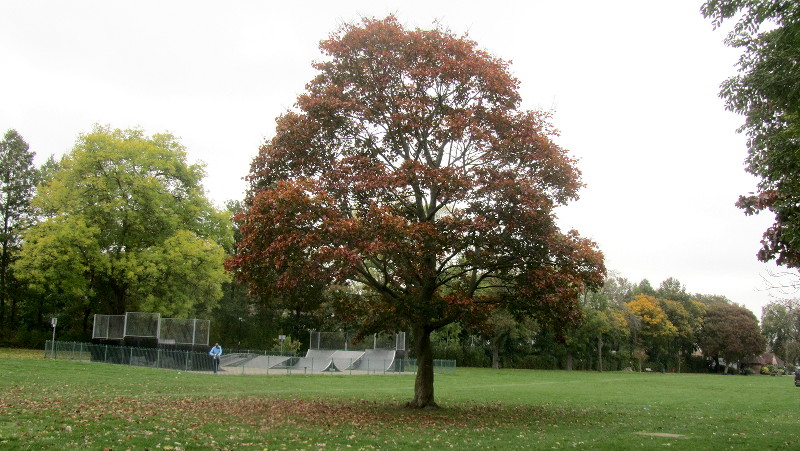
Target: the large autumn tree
(766, 91)
(125, 226)
(408, 170)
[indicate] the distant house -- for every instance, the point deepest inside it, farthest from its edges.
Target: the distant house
(768, 358)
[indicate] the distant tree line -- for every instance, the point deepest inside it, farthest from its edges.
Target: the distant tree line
(624, 325)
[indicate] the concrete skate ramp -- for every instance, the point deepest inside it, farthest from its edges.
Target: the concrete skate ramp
(345, 360)
(377, 360)
(316, 360)
(235, 359)
(268, 361)
(328, 360)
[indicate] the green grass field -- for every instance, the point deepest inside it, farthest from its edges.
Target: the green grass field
(49, 404)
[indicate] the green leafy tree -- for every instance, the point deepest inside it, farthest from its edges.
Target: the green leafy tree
(592, 335)
(18, 178)
(126, 226)
(687, 317)
(766, 91)
(409, 171)
(685, 314)
(780, 323)
(671, 288)
(604, 332)
(731, 332)
(501, 327)
(708, 300)
(644, 287)
(618, 290)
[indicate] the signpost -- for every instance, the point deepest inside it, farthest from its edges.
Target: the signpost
(53, 322)
(281, 338)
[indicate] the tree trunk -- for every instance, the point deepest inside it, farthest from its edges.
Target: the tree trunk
(786, 358)
(87, 319)
(495, 355)
(4, 257)
(119, 299)
(423, 386)
(569, 361)
(4, 280)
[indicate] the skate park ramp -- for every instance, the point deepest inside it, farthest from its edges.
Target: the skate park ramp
(377, 360)
(345, 360)
(369, 361)
(269, 361)
(324, 360)
(315, 361)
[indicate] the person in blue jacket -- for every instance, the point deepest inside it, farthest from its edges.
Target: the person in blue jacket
(215, 354)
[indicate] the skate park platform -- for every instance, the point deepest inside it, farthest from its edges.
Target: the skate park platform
(316, 361)
(335, 353)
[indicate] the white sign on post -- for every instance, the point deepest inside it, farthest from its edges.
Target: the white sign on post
(53, 322)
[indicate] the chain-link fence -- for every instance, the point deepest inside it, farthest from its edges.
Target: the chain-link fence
(184, 331)
(249, 362)
(142, 324)
(109, 327)
(177, 359)
(141, 327)
(349, 341)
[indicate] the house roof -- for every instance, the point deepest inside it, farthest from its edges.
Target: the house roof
(768, 358)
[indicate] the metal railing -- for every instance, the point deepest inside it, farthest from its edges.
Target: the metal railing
(128, 355)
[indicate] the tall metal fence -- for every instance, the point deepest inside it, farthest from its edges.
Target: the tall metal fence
(246, 362)
(127, 355)
(146, 325)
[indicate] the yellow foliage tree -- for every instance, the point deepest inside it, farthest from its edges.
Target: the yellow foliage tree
(652, 328)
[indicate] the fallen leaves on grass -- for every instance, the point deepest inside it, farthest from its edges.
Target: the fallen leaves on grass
(268, 413)
(217, 422)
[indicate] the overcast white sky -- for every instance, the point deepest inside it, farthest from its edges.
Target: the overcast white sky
(633, 85)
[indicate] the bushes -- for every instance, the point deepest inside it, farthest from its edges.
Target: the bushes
(772, 370)
(26, 338)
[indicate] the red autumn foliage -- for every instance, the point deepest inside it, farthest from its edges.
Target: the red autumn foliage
(408, 170)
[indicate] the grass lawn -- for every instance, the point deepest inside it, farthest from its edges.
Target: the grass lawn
(67, 405)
